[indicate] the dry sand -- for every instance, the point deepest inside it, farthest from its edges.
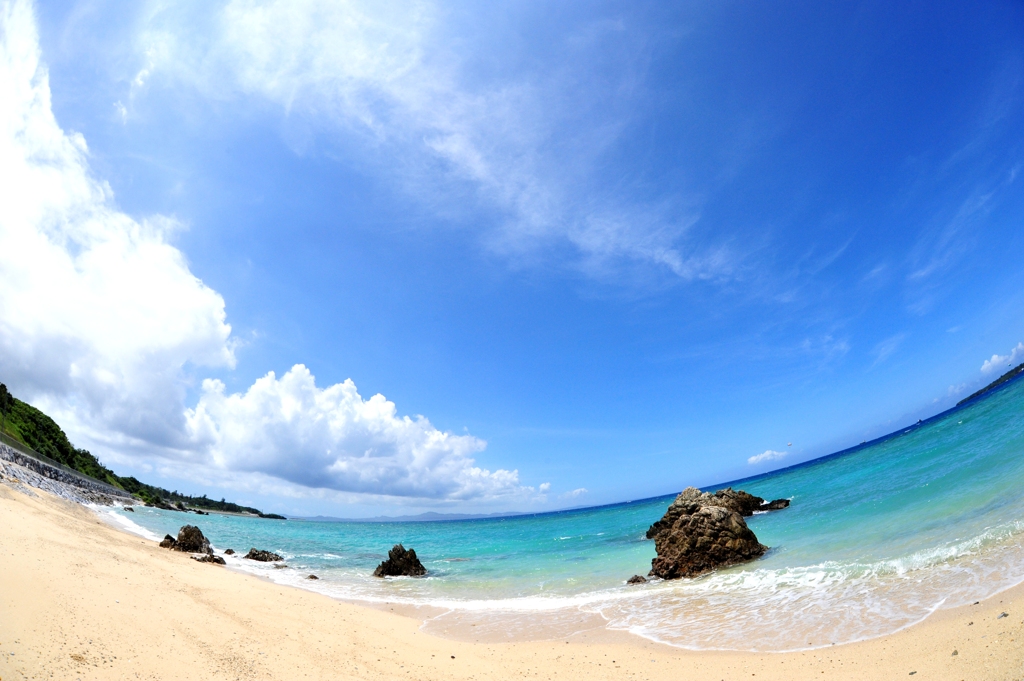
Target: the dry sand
(82, 600)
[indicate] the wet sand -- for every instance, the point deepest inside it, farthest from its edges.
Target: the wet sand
(80, 599)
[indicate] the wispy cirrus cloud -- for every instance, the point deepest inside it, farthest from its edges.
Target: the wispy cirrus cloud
(528, 148)
(886, 348)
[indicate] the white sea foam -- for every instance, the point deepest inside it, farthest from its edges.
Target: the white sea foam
(119, 519)
(808, 606)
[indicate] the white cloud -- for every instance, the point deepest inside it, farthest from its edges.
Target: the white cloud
(887, 347)
(333, 438)
(1002, 363)
(544, 487)
(767, 455)
(575, 494)
(103, 325)
(387, 74)
(955, 390)
(98, 311)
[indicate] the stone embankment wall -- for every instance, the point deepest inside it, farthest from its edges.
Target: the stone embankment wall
(61, 475)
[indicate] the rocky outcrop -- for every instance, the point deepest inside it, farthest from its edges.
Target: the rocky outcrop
(262, 556)
(401, 562)
(210, 558)
(129, 509)
(701, 532)
(637, 579)
(190, 540)
(746, 504)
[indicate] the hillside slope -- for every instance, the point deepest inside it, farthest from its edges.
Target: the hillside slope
(39, 432)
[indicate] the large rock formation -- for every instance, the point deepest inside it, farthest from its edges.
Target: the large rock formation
(190, 540)
(262, 556)
(701, 532)
(400, 562)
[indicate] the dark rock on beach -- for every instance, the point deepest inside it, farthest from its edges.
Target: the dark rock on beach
(167, 542)
(636, 579)
(400, 562)
(191, 540)
(701, 532)
(210, 558)
(229, 552)
(262, 556)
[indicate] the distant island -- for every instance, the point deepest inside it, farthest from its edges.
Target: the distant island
(1011, 374)
(38, 432)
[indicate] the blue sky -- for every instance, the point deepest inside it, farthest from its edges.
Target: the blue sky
(606, 250)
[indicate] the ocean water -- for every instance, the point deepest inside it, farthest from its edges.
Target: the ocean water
(876, 539)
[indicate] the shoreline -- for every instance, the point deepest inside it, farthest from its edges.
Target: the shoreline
(511, 620)
(83, 599)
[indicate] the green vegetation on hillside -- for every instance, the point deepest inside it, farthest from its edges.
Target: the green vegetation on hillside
(1012, 373)
(39, 432)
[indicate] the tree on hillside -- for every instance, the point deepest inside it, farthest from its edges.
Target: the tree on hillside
(6, 404)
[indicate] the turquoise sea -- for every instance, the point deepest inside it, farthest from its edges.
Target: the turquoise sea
(876, 538)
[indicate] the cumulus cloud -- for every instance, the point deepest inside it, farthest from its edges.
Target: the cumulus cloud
(764, 457)
(1000, 363)
(103, 324)
(97, 309)
(575, 494)
(333, 438)
(388, 75)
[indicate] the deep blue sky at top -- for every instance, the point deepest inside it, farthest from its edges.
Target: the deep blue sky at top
(850, 171)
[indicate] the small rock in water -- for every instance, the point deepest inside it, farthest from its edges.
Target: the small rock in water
(312, 577)
(636, 579)
(130, 509)
(400, 562)
(229, 552)
(262, 556)
(209, 558)
(280, 567)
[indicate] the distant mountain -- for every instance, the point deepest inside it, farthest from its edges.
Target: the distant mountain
(24, 423)
(430, 516)
(1009, 375)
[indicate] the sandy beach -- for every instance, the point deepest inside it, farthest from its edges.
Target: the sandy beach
(80, 599)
